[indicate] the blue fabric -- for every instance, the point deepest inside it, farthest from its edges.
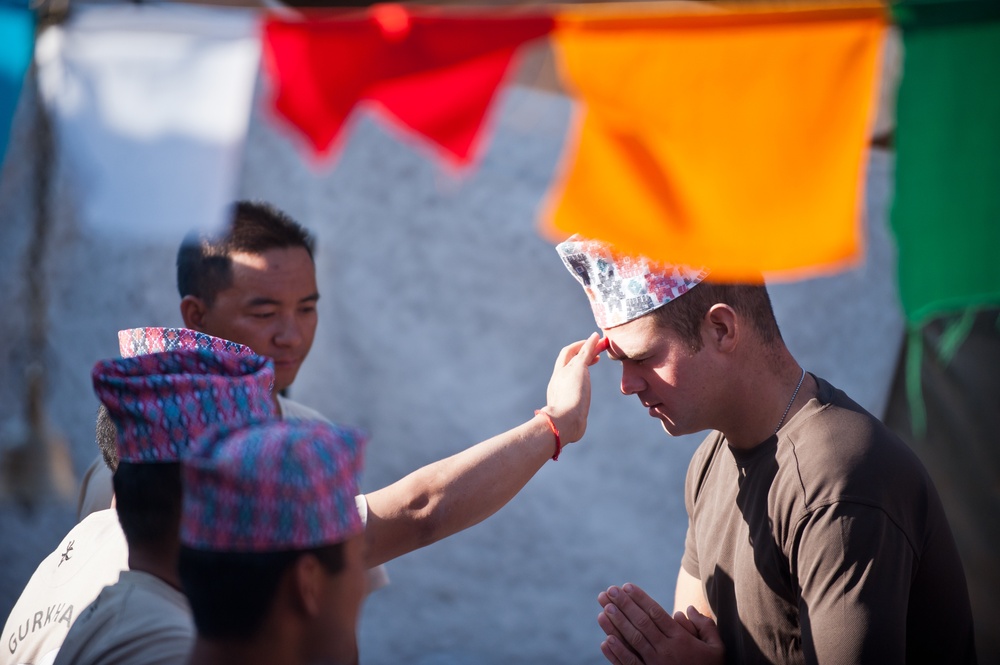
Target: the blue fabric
(17, 39)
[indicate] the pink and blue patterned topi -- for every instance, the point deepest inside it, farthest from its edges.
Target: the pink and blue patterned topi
(622, 287)
(162, 401)
(284, 485)
(141, 341)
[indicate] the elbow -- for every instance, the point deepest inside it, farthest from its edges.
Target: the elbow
(423, 516)
(417, 511)
(425, 522)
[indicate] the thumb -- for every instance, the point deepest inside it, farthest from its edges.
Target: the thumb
(708, 632)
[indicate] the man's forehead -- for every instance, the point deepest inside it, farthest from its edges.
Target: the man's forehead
(248, 261)
(277, 276)
(633, 338)
(275, 258)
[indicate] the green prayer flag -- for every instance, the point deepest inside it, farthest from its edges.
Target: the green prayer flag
(946, 211)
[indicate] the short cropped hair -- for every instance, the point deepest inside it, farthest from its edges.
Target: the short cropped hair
(148, 500)
(684, 315)
(204, 262)
(231, 592)
(107, 437)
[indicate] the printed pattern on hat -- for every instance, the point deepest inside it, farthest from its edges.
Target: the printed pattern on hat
(282, 485)
(141, 341)
(161, 402)
(622, 287)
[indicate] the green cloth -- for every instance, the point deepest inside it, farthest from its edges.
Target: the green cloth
(17, 38)
(946, 211)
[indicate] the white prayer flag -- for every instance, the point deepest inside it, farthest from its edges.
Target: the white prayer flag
(150, 106)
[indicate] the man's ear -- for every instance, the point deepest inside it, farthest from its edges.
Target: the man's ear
(720, 327)
(193, 311)
(307, 584)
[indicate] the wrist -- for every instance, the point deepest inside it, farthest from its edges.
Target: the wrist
(553, 429)
(571, 426)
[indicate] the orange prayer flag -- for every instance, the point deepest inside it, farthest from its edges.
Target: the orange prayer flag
(733, 139)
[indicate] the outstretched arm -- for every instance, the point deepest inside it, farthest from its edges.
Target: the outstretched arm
(457, 492)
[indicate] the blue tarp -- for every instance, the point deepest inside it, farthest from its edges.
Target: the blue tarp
(17, 38)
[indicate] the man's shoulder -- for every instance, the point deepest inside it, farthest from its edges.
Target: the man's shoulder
(96, 490)
(835, 435)
(292, 410)
(839, 452)
(94, 550)
(703, 459)
(139, 598)
(133, 618)
(89, 557)
(709, 448)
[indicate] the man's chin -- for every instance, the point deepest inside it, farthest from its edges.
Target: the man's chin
(671, 428)
(283, 378)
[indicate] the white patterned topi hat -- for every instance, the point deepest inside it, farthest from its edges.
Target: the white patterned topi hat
(623, 287)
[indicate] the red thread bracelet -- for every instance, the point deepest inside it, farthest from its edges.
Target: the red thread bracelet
(555, 430)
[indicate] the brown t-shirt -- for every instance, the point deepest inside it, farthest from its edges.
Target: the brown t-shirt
(826, 544)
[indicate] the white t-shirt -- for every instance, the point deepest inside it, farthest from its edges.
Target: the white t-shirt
(90, 557)
(292, 410)
(96, 489)
(140, 620)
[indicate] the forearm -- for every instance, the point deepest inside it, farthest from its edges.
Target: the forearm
(455, 493)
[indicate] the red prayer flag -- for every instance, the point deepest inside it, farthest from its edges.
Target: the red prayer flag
(433, 73)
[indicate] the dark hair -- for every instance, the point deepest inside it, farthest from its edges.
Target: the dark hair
(148, 499)
(107, 437)
(231, 592)
(684, 315)
(204, 262)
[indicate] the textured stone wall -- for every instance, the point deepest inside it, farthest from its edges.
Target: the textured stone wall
(442, 311)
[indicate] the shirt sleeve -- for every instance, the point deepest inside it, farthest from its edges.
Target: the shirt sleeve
(692, 484)
(853, 567)
(378, 576)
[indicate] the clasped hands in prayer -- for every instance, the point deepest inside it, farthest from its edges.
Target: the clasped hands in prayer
(641, 632)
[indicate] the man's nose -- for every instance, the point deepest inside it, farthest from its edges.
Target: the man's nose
(290, 332)
(631, 383)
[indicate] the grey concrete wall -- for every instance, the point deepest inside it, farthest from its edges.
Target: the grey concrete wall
(441, 314)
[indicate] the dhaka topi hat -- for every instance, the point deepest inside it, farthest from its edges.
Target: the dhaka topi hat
(140, 341)
(282, 485)
(623, 287)
(162, 401)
